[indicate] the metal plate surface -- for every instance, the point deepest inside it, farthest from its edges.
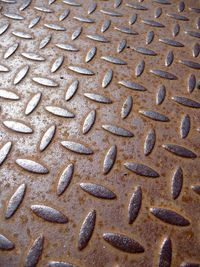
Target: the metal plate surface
(99, 133)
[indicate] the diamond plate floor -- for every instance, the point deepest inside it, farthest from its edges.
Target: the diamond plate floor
(99, 133)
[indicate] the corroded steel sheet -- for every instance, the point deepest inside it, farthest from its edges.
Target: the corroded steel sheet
(99, 133)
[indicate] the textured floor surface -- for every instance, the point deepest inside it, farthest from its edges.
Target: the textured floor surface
(99, 133)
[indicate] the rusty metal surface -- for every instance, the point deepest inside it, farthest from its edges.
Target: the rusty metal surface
(99, 133)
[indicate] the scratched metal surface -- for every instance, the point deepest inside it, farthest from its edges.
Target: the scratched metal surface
(99, 133)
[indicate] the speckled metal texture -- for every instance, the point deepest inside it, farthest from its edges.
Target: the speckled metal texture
(99, 133)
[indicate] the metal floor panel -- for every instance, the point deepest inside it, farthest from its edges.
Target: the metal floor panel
(99, 133)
